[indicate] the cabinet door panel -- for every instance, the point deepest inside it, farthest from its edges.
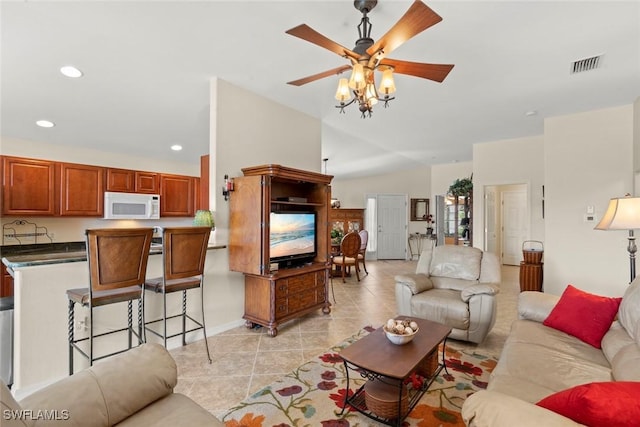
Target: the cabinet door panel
(246, 227)
(120, 180)
(28, 187)
(147, 182)
(82, 190)
(176, 195)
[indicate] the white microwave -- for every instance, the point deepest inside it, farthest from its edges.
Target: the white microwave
(131, 205)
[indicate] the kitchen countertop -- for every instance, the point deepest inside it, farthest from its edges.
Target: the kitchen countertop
(55, 253)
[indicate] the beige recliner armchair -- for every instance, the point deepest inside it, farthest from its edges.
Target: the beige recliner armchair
(453, 285)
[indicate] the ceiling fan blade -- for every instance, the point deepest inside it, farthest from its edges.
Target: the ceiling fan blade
(418, 18)
(307, 33)
(319, 76)
(435, 72)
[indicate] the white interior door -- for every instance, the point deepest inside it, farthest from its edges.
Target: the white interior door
(392, 226)
(514, 224)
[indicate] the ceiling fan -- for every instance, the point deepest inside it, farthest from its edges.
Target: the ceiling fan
(368, 56)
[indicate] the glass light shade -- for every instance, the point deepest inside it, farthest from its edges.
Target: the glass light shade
(387, 85)
(370, 94)
(622, 214)
(343, 93)
(357, 80)
(204, 218)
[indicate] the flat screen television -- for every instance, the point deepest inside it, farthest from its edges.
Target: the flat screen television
(292, 237)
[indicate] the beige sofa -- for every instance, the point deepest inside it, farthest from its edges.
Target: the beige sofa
(538, 361)
(453, 285)
(134, 388)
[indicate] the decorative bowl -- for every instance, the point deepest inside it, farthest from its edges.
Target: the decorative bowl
(399, 339)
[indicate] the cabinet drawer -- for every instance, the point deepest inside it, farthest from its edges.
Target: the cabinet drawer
(297, 284)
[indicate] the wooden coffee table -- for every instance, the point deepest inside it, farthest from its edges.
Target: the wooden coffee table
(374, 357)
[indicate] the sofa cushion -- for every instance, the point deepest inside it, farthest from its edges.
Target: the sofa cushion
(611, 404)
(173, 410)
(626, 364)
(615, 339)
(628, 314)
(583, 315)
(558, 360)
(457, 262)
(451, 283)
(442, 306)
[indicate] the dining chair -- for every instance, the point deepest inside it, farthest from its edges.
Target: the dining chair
(349, 249)
(364, 239)
(117, 260)
(184, 250)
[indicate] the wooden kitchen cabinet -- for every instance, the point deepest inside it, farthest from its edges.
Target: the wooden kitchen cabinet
(132, 181)
(347, 220)
(147, 182)
(6, 287)
(177, 195)
(28, 187)
(273, 296)
(121, 180)
(81, 190)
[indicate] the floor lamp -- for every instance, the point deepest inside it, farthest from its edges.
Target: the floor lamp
(623, 213)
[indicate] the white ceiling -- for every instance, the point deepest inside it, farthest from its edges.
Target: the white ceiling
(147, 67)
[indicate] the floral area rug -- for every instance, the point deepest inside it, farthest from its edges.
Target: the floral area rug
(313, 394)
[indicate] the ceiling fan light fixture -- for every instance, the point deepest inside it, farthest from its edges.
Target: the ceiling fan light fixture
(370, 94)
(357, 80)
(343, 94)
(387, 85)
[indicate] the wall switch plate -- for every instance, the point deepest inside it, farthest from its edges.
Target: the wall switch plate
(589, 217)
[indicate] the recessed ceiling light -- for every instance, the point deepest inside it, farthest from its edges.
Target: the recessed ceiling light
(531, 113)
(71, 71)
(45, 123)
(176, 147)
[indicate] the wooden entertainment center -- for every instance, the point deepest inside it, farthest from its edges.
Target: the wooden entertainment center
(275, 295)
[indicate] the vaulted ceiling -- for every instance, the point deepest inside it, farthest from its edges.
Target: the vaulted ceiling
(147, 67)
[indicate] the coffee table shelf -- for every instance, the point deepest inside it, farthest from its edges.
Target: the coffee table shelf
(374, 357)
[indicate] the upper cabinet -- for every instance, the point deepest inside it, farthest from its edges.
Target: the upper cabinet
(177, 195)
(131, 181)
(28, 187)
(81, 190)
(32, 187)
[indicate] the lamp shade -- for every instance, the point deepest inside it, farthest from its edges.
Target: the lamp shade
(343, 93)
(387, 85)
(623, 213)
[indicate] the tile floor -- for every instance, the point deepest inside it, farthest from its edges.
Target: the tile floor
(245, 360)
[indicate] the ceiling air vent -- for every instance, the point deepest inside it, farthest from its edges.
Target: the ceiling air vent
(586, 64)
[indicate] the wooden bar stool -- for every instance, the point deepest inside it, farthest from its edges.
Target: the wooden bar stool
(184, 250)
(117, 259)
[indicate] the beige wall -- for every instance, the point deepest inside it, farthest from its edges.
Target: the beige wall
(249, 130)
(588, 159)
(512, 161)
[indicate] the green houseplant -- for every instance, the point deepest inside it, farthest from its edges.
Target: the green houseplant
(461, 187)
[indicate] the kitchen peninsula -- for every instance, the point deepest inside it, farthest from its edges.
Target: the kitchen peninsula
(40, 351)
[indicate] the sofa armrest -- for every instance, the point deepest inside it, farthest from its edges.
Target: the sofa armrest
(535, 306)
(479, 289)
(492, 409)
(415, 282)
(111, 390)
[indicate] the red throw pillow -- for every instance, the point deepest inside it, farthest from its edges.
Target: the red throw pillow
(585, 316)
(611, 404)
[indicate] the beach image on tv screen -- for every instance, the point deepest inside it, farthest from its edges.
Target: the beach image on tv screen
(292, 234)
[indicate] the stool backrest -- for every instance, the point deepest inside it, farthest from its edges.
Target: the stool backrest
(184, 250)
(117, 257)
